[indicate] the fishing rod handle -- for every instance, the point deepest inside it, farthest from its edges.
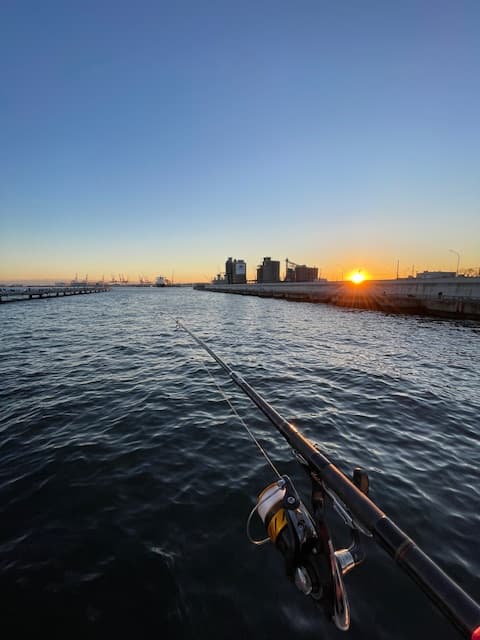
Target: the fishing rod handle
(446, 594)
(449, 597)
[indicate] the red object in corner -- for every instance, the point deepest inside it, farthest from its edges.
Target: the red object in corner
(476, 634)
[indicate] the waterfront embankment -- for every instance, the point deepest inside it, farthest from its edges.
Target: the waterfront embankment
(457, 297)
(16, 294)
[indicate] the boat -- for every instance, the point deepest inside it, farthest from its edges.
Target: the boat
(161, 281)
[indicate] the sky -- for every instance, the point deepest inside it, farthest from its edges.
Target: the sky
(159, 138)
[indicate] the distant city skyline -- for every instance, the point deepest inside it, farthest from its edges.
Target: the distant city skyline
(338, 272)
(155, 139)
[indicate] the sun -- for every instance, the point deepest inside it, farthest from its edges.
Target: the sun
(357, 277)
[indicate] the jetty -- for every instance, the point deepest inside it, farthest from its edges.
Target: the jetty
(455, 297)
(18, 293)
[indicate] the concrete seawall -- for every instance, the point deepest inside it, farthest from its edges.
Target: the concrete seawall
(452, 298)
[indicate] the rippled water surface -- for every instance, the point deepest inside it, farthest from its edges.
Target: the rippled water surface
(126, 480)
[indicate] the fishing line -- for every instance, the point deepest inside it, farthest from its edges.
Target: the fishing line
(267, 498)
(235, 412)
(303, 537)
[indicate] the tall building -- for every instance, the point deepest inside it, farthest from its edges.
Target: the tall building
(229, 271)
(239, 272)
(268, 271)
(299, 272)
(235, 271)
(305, 274)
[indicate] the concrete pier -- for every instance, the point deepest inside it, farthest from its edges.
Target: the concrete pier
(457, 297)
(16, 294)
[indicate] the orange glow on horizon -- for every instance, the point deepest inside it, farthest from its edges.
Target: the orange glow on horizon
(357, 277)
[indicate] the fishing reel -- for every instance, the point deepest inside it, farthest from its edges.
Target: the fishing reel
(304, 541)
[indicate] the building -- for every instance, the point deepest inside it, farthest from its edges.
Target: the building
(433, 275)
(299, 272)
(229, 270)
(235, 271)
(302, 273)
(268, 271)
(240, 272)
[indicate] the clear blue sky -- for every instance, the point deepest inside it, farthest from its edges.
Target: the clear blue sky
(151, 137)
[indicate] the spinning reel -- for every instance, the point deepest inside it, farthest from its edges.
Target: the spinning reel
(304, 540)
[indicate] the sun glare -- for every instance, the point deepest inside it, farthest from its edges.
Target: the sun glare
(357, 277)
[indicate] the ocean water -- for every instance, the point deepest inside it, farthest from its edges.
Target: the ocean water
(126, 479)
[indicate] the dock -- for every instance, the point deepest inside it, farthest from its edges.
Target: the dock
(457, 297)
(17, 294)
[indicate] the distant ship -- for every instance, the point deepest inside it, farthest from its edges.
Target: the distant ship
(161, 281)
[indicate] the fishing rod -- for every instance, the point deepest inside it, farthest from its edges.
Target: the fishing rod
(304, 540)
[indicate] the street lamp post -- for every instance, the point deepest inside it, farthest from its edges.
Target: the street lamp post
(458, 259)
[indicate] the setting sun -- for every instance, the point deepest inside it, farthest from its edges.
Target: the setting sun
(357, 277)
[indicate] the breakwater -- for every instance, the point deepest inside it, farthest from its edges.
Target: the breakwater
(457, 297)
(16, 294)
